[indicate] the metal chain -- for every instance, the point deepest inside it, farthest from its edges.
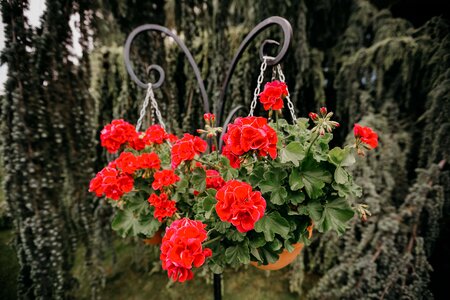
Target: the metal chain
(258, 86)
(149, 96)
(288, 97)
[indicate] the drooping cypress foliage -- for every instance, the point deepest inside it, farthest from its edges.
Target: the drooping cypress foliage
(47, 147)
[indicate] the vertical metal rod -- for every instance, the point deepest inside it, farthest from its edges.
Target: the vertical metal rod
(217, 287)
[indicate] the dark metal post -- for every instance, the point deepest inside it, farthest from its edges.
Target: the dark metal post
(217, 287)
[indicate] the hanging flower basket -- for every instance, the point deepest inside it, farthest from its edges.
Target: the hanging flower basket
(252, 202)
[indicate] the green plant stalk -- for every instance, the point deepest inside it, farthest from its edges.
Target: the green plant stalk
(312, 143)
(212, 240)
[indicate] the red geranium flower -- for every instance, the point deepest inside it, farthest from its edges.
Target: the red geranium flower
(366, 135)
(249, 134)
(239, 205)
(187, 148)
(155, 134)
(137, 142)
(273, 94)
(126, 162)
(163, 206)
(149, 161)
(111, 183)
(214, 180)
(114, 135)
(164, 178)
(181, 249)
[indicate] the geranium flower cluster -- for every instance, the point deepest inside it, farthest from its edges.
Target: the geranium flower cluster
(249, 134)
(116, 179)
(239, 205)
(186, 149)
(273, 94)
(120, 133)
(111, 183)
(182, 249)
(366, 136)
(162, 205)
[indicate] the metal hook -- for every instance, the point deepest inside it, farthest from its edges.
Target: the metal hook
(161, 73)
(287, 34)
(154, 27)
(263, 54)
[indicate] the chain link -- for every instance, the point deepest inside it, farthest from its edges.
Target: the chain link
(150, 96)
(288, 97)
(258, 86)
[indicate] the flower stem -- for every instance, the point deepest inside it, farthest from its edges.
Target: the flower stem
(205, 162)
(313, 141)
(212, 240)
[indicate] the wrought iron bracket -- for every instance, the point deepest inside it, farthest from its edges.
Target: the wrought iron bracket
(269, 22)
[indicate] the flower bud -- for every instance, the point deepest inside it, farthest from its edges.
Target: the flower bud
(209, 117)
(323, 110)
(313, 116)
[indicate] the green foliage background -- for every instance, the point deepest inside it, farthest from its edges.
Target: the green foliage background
(352, 55)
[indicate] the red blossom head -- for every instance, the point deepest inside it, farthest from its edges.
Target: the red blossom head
(127, 163)
(323, 111)
(249, 134)
(273, 94)
(112, 183)
(239, 205)
(155, 134)
(366, 135)
(186, 149)
(137, 142)
(164, 178)
(116, 134)
(163, 206)
(182, 249)
(149, 161)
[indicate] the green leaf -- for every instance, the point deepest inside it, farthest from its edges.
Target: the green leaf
(348, 189)
(335, 216)
(222, 227)
(258, 241)
(273, 184)
(313, 177)
(226, 171)
(255, 253)
(340, 175)
(257, 175)
(295, 180)
(235, 235)
(198, 179)
(137, 203)
(126, 223)
(315, 210)
(237, 254)
(336, 156)
(275, 245)
(296, 197)
(214, 267)
(320, 148)
(271, 224)
(341, 157)
(293, 152)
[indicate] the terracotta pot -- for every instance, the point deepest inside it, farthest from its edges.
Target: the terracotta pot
(285, 259)
(154, 240)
